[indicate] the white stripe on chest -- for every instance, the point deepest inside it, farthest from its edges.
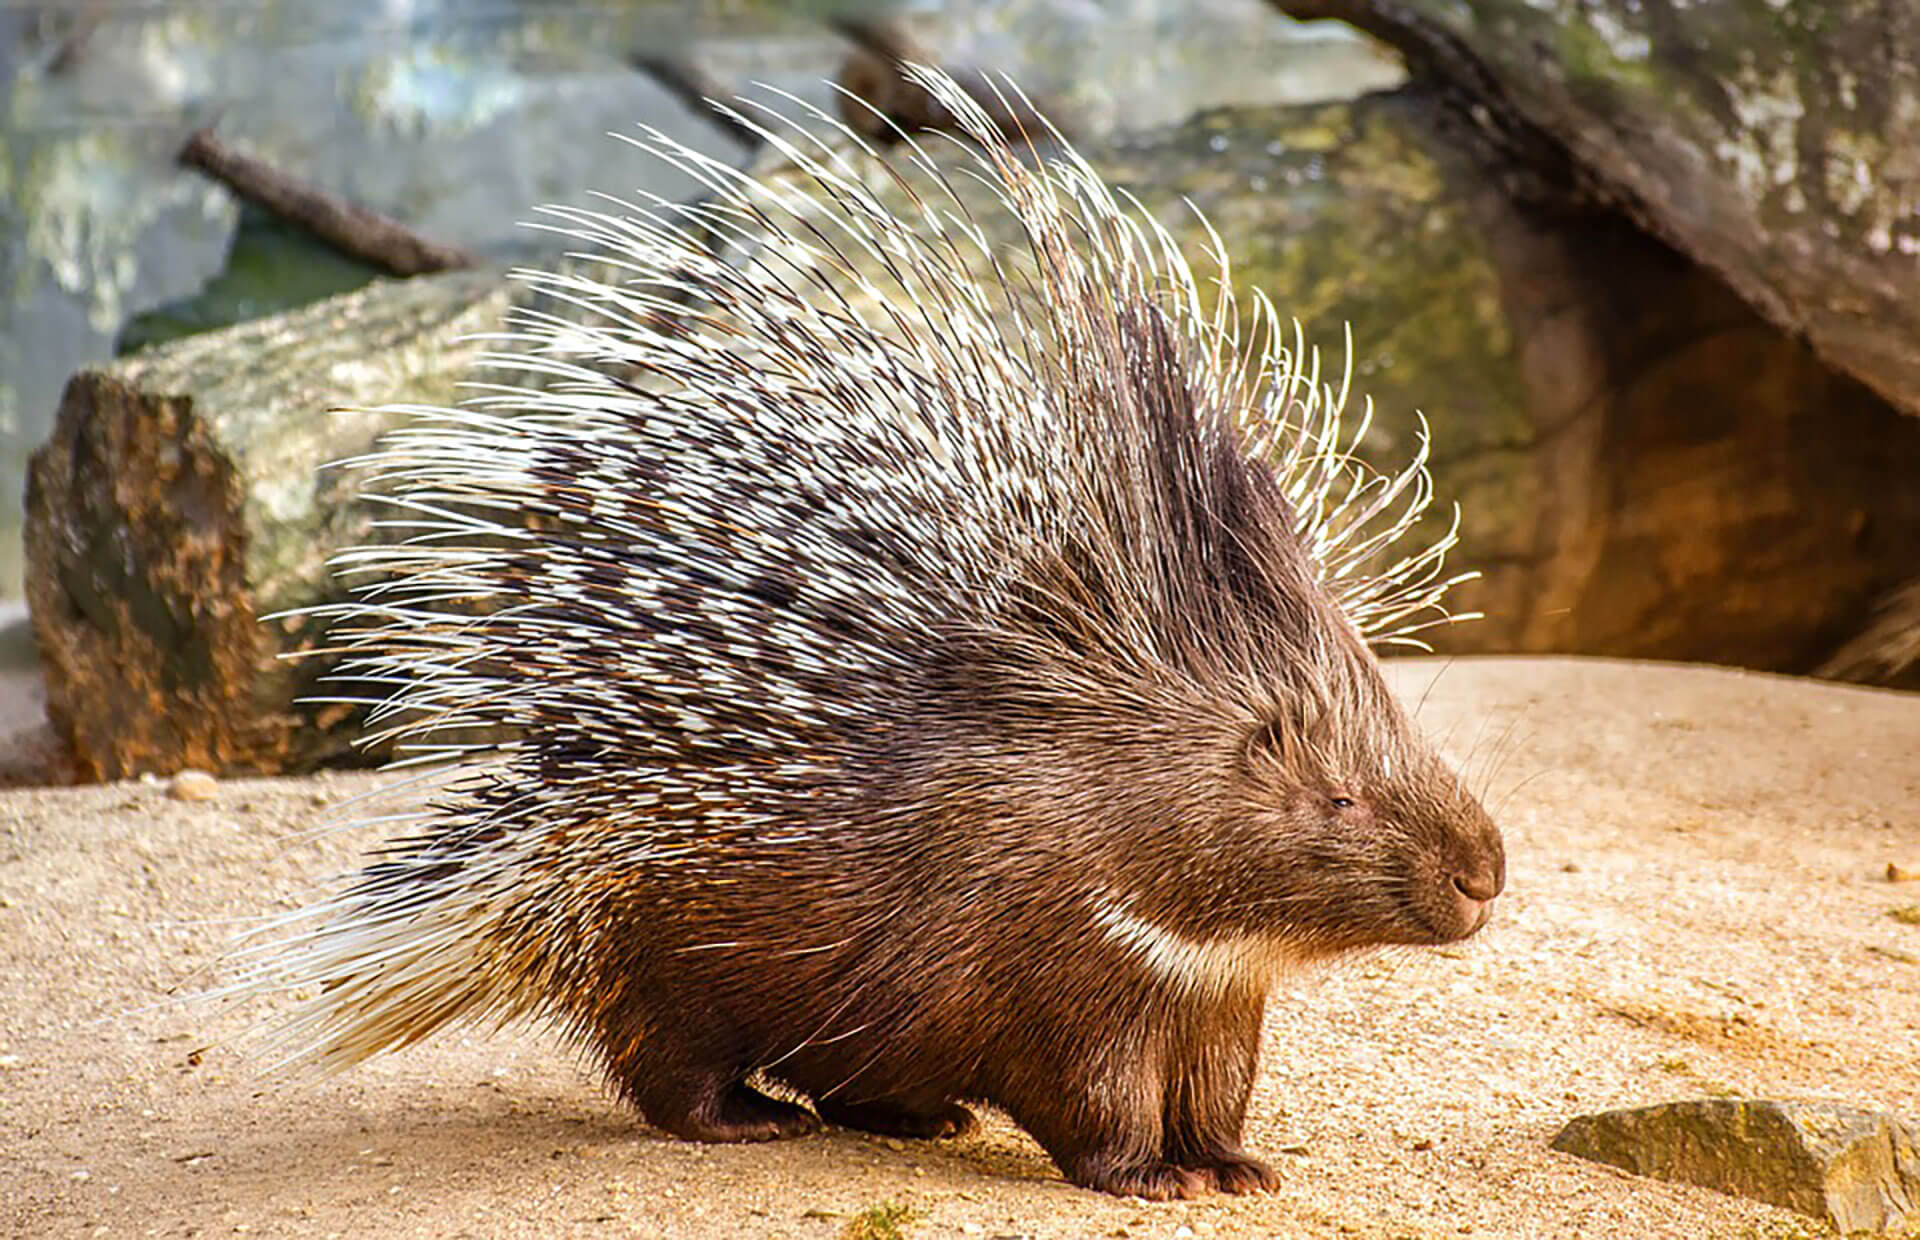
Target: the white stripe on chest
(1211, 966)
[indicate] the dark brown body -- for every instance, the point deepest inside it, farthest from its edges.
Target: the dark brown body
(1130, 1084)
(1026, 864)
(963, 701)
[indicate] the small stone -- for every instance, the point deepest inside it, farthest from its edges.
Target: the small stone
(1902, 873)
(193, 786)
(1857, 1169)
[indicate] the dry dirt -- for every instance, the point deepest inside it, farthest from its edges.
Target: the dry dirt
(1698, 905)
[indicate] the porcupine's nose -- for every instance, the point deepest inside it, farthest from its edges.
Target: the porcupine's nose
(1474, 890)
(1483, 885)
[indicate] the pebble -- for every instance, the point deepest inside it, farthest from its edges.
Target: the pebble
(193, 786)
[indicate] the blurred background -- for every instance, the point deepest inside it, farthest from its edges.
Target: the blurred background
(460, 116)
(1648, 271)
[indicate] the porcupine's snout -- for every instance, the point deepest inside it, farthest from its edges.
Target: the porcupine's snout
(1472, 874)
(1478, 886)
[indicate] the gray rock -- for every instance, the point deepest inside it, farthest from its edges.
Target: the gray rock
(1859, 1170)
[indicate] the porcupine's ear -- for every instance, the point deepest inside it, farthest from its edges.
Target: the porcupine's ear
(1287, 736)
(1272, 746)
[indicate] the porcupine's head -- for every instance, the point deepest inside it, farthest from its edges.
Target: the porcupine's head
(818, 511)
(1189, 671)
(1345, 828)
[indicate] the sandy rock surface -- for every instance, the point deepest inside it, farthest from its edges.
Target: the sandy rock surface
(1698, 905)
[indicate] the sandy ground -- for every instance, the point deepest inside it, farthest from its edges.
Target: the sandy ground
(1697, 905)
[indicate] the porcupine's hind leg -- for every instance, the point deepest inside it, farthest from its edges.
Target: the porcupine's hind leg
(694, 1086)
(715, 1109)
(894, 1118)
(1210, 1079)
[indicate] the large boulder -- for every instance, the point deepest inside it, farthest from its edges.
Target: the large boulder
(1778, 145)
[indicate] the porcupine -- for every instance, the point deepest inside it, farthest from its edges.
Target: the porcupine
(957, 691)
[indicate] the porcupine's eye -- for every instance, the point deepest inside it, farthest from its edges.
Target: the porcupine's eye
(1341, 801)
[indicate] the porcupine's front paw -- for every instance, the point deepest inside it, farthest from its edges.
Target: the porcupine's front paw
(895, 1119)
(1233, 1170)
(1153, 1179)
